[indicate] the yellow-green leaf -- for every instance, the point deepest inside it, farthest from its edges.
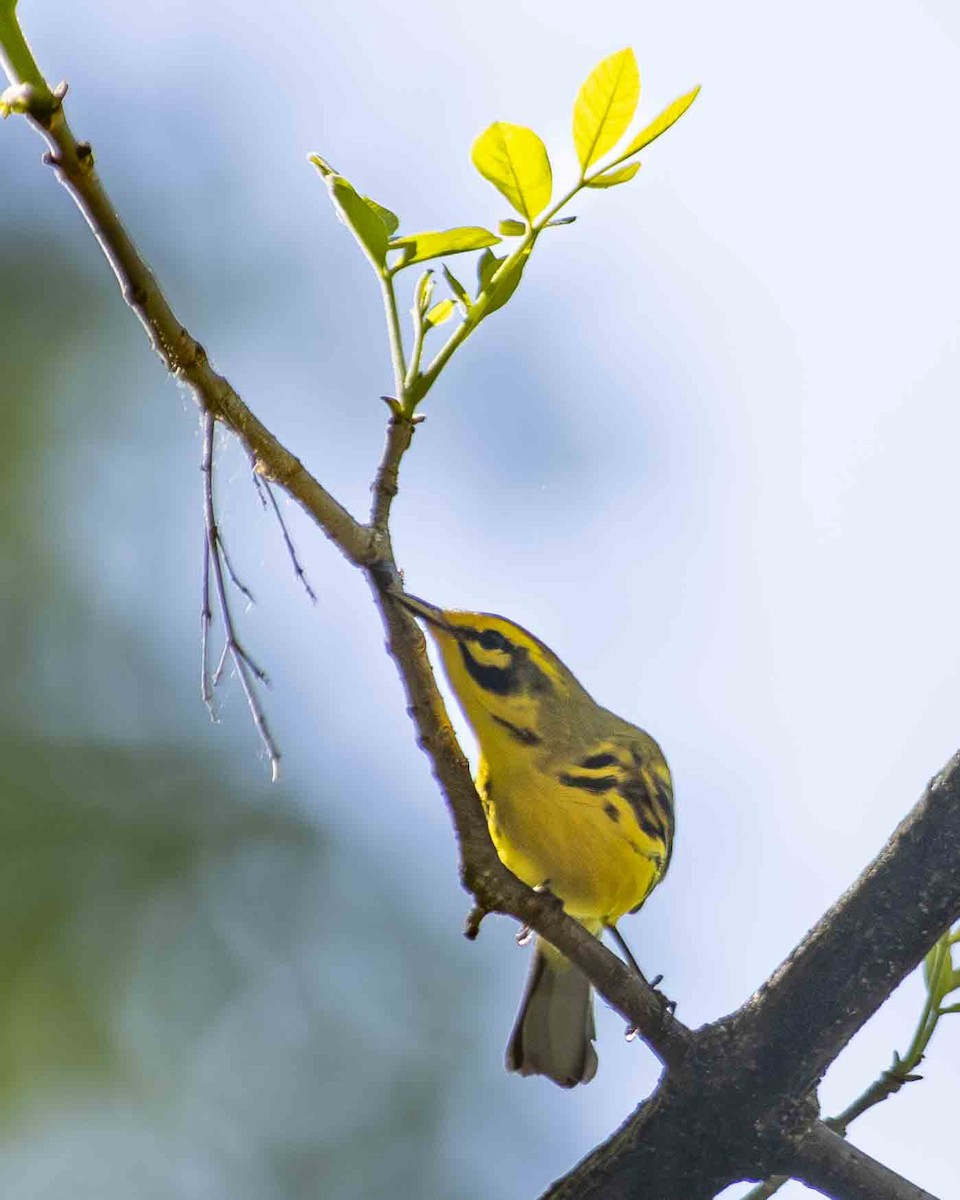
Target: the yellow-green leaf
(612, 178)
(365, 224)
(501, 291)
(418, 247)
(487, 264)
(321, 164)
(671, 114)
(390, 219)
(938, 968)
(457, 288)
(423, 292)
(511, 228)
(605, 106)
(439, 313)
(515, 161)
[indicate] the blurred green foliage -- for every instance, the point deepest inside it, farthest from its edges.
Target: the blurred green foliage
(200, 994)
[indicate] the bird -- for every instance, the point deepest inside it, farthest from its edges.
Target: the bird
(578, 802)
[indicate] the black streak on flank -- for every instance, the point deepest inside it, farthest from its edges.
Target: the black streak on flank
(502, 681)
(637, 796)
(596, 761)
(525, 736)
(612, 812)
(588, 783)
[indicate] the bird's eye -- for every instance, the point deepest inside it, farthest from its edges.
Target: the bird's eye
(491, 640)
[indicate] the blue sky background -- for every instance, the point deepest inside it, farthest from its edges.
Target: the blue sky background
(708, 454)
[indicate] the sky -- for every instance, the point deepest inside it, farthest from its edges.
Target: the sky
(707, 454)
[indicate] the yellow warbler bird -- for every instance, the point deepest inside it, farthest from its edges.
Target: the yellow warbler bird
(577, 801)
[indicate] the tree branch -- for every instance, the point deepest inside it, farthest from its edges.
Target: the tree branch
(831, 1165)
(738, 1105)
(860, 950)
(183, 355)
(215, 558)
(400, 430)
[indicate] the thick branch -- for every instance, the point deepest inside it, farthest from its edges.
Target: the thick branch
(855, 956)
(738, 1104)
(832, 1166)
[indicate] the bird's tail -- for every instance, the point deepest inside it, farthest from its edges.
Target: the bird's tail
(554, 1030)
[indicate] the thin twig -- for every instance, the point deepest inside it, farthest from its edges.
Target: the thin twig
(234, 577)
(247, 669)
(206, 616)
(400, 430)
(266, 493)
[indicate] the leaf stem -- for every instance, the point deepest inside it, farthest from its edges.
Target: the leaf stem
(16, 54)
(419, 333)
(394, 335)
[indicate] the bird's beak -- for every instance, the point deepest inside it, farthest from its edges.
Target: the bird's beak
(420, 608)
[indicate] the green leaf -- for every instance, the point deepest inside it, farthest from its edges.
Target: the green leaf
(501, 291)
(938, 969)
(457, 288)
(605, 106)
(418, 247)
(507, 284)
(424, 291)
(487, 263)
(612, 178)
(670, 115)
(321, 164)
(390, 219)
(365, 225)
(511, 228)
(515, 161)
(439, 313)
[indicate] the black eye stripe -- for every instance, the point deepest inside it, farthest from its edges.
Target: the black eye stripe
(499, 680)
(595, 761)
(588, 783)
(491, 639)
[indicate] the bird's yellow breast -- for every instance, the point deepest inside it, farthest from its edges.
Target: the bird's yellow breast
(587, 848)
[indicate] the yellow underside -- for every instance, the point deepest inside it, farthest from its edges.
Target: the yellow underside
(565, 838)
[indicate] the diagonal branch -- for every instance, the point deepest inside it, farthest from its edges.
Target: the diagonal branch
(831, 1165)
(862, 948)
(740, 1093)
(183, 355)
(400, 430)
